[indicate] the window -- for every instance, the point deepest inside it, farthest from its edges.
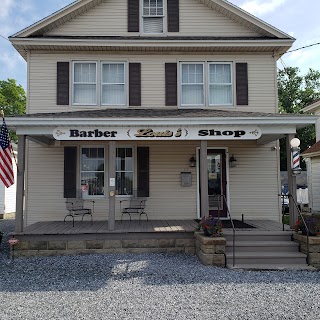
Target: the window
(85, 83)
(192, 84)
(220, 84)
(218, 79)
(113, 84)
(92, 171)
(153, 16)
(124, 171)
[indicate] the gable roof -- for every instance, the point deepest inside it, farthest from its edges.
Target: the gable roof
(81, 6)
(313, 107)
(314, 150)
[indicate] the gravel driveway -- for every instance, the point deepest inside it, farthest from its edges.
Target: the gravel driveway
(150, 286)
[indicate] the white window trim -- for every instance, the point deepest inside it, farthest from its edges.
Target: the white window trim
(164, 16)
(203, 84)
(105, 171)
(73, 83)
(208, 83)
(126, 79)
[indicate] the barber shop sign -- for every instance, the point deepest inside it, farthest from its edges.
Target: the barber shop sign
(158, 133)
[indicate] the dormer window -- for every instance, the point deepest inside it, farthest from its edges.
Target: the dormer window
(153, 16)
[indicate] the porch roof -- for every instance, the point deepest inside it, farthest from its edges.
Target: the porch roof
(273, 125)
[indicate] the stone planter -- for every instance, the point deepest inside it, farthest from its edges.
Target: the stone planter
(314, 248)
(210, 251)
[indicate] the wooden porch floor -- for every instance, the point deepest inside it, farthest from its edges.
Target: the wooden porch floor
(152, 226)
(100, 227)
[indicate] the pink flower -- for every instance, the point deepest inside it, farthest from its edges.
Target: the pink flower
(13, 241)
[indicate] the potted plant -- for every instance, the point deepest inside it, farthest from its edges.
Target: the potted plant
(211, 226)
(312, 222)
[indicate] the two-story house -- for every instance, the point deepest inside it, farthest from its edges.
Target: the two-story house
(176, 99)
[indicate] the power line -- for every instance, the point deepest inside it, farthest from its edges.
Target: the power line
(4, 37)
(311, 45)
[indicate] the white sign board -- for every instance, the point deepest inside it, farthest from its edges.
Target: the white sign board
(213, 132)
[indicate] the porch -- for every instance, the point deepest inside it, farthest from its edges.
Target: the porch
(100, 228)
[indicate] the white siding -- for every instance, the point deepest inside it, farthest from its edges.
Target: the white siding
(2, 196)
(315, 183)
(253, 183)
(110, 19)
(42, 97)
(10, 196)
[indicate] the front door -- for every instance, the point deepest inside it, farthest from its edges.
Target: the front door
(217, 182)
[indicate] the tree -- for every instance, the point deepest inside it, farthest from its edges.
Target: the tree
(12, 100)
(294, 93)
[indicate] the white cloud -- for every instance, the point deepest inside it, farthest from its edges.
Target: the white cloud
(11, 61)
(6, 5)
(260, 7)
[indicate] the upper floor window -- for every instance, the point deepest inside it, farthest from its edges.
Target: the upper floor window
(192, 84)
(113, 84)
(220, 84)
(85, 83)
(153, 16)
(200, 86)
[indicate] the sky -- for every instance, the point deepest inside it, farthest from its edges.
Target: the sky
(298, 18)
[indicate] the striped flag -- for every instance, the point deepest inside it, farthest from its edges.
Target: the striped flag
(6, 168)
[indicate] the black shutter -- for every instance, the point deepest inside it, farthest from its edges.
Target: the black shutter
(134, 84)
(62, 83)
(143, 171)
(242, 83)
(70, 172)
(173, 15)
(171, 84)
(133, 15)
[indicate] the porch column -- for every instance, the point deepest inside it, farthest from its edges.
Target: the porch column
(20, 183)
(112, 184)
(204, 200)
(292, 184)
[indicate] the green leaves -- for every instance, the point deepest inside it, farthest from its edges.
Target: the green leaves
(12, 97)
(296, 91)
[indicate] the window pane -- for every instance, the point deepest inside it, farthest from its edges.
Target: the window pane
(153, 25)
(85, 72)
(92, 171)
(113, 73)
(192, 73)
(220, 94)
(124, 171)
(84, 93)
(220, 73)
(113, 94)
(124, 183)
(192, 95)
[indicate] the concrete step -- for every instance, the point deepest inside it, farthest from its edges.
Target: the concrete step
(263, 246)
(267, 258)
(259, 235)
(276, 267)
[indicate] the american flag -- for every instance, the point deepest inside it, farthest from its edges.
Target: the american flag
(6, 168)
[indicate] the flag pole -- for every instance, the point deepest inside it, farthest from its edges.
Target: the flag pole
(12, 152)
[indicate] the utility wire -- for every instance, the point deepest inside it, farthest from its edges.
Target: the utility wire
(4, 37)
(311, 45)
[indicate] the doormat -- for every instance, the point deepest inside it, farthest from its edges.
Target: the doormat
(238, 224)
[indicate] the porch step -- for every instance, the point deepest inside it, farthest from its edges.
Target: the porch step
(264, 250)
(263, 246)
(259, 235)
(267, 258)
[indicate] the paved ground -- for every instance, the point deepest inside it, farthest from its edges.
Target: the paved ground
(150, 286)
